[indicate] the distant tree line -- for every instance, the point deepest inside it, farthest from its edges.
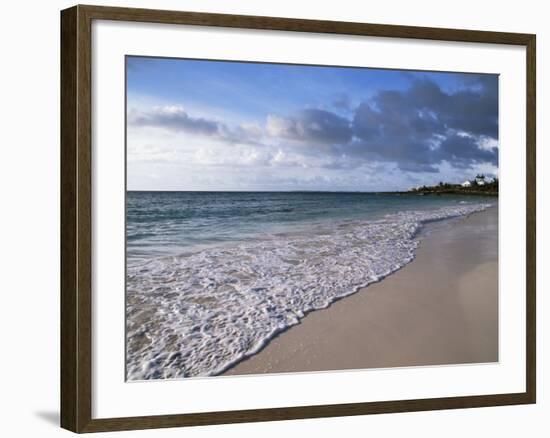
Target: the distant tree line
(480, 185)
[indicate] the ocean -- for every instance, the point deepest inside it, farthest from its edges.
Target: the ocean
(213, 276)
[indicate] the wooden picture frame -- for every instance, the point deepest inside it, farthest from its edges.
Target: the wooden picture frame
(76, 217)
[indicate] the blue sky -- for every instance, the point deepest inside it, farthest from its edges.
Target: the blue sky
(213, 125)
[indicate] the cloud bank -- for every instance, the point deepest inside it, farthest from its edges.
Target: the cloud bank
(417, 130)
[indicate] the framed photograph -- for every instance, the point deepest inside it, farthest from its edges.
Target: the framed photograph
(270, 218)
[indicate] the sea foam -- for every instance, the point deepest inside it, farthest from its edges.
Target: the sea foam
(199, 314)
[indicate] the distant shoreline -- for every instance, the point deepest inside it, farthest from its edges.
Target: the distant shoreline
(465, 192)
(404, 192)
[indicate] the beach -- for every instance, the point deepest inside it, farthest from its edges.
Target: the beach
(216, 278)
(441, 308)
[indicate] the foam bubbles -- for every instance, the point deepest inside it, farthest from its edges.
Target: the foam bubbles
(198, 314)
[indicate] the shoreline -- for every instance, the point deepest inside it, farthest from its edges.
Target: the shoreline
(377, 328)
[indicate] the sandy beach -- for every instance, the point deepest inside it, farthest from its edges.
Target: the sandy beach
(442, 308)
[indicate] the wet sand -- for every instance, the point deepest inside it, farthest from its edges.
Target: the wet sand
(442, 308)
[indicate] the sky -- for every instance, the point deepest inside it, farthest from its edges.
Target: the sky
(242, 126)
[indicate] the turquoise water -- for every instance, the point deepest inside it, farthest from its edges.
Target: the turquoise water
(172, 223)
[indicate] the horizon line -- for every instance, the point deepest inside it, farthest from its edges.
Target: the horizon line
(276, 191)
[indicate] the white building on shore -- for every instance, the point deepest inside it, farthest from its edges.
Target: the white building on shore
(466, 184)
(481, 180)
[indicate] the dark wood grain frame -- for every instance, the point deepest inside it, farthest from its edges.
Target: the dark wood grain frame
(76, 218)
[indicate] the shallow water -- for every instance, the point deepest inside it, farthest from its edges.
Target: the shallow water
(172, 223)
